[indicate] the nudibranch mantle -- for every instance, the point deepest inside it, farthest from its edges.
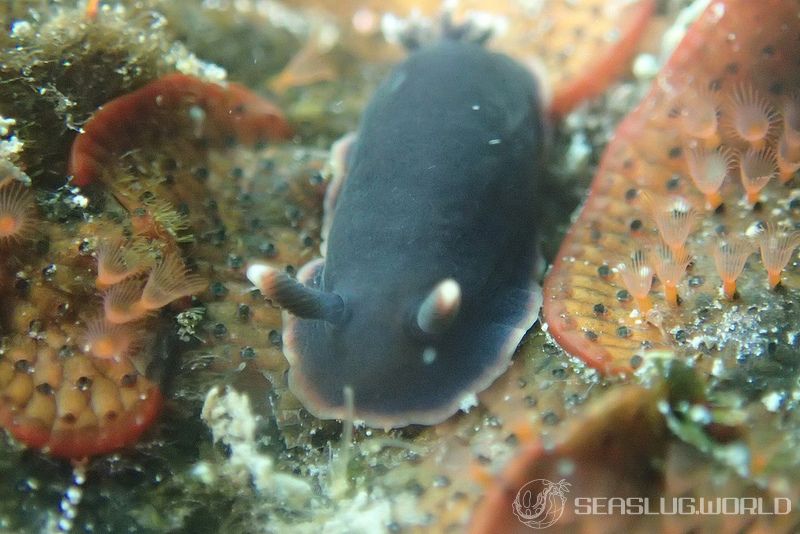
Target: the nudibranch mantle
(428, 284)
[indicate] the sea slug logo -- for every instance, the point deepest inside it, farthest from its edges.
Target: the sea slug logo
(540, 503)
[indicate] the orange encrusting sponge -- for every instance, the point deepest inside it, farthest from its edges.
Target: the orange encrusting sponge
(75, 406)
(147, 116)
(578, 47)
(686, 178)
(584, 46)
(605, 449)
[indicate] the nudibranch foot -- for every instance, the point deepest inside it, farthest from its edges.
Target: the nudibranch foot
(337, 167)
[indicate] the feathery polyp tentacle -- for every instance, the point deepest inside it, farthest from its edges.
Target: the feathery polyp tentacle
(708, 169)
(169, 280)
(300, 300)
(637, 276)
(440, 307)
(776, 247)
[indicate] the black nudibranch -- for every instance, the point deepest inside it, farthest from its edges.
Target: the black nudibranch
(428, 281)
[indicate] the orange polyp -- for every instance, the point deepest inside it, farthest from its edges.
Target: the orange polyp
(774, 278)
(15, 211)
(637, 276)
(104, 348)
(118, 260)
(713, 200)
(776, 249)
(106, 340)
(670, 268)
(757, 168)
(751, 115)
(729, 258)
(729, 288)
(643, 304)
(671, 293)
(8, 225)
(169, 280)
(121, 303)
(675, 220)
(708, 169)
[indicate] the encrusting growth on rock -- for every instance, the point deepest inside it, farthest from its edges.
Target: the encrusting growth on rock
(719, 123)
(153, 113)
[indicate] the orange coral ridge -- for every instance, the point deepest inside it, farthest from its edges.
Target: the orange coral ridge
(609, 448)
(76, 443)
(733, 43)
(76, 405)
(579, 47)
(231, 109)
(602, 62)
